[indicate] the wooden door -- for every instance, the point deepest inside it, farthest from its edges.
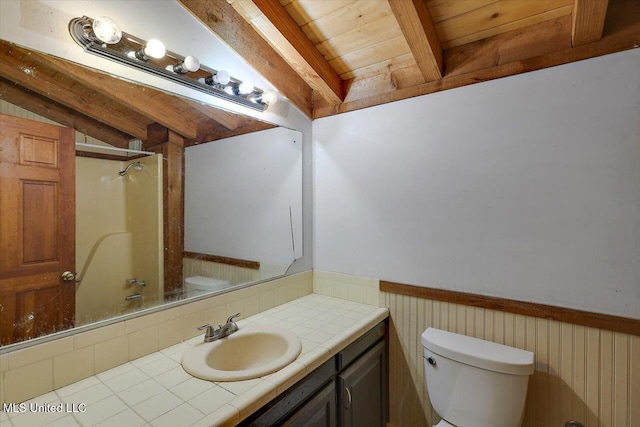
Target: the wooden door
(37, 228)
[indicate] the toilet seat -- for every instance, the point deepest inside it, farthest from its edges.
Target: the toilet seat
(443, 423)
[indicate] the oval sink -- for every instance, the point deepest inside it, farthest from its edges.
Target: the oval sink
(252, 352)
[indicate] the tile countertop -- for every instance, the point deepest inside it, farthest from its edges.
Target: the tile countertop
(155, 391)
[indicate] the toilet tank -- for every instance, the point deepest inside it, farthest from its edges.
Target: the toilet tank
(473, 382)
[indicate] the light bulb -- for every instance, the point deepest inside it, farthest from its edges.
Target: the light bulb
(106, 30)
(245, 88)
(221, 77)
(269, 97)
(154, 49)
(188, 65)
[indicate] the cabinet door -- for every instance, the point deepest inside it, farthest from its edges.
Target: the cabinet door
(320, 411)
(362, 389)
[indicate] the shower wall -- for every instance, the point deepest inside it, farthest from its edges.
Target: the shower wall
(143, 193)
(118, 236)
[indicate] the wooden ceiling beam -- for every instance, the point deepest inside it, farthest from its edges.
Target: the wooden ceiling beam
(279, 29)
(44, 107)
(417, 27)
(19, 66)
(131, 95)
(216, 134)
(588, 21)
(225, 118)
(238, 34)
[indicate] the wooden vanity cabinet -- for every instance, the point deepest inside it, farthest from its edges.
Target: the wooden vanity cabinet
(362, 390)
(319, 411)
(348, 390)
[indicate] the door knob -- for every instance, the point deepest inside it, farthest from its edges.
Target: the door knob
(68, 276)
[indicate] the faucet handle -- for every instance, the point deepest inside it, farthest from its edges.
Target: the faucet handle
(210, 332)
(230, 319)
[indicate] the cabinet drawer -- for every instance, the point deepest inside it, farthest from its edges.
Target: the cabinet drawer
(351, 353)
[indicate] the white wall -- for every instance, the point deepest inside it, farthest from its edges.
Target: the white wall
(243, 197)
(526, 187)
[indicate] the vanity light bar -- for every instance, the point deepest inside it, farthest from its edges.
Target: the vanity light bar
(126, 51)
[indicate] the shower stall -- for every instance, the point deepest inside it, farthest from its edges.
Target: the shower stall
(119, 226)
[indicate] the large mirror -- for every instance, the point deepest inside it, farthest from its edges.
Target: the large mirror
(152, 199)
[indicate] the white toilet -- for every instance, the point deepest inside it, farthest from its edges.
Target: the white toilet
(198, 285)
(475, 383)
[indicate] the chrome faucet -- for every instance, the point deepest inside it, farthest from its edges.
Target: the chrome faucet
(222, 331)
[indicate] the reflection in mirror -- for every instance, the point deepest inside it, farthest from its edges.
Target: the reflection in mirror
(243, 201)
(113, 220)
(118, 235)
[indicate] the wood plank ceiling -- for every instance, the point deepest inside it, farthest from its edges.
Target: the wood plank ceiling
(353, 54)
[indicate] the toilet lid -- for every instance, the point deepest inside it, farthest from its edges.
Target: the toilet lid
(205, 283)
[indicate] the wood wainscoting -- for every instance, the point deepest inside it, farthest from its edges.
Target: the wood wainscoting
(587, 365)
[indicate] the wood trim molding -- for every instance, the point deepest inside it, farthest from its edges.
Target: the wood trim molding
(579, 317)
(254, 265)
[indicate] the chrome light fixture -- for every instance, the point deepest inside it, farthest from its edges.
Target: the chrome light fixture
(103, 37)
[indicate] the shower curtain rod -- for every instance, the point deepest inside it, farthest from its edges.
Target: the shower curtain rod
(104, 147)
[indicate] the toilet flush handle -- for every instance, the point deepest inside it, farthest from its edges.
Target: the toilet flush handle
(431, 361)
